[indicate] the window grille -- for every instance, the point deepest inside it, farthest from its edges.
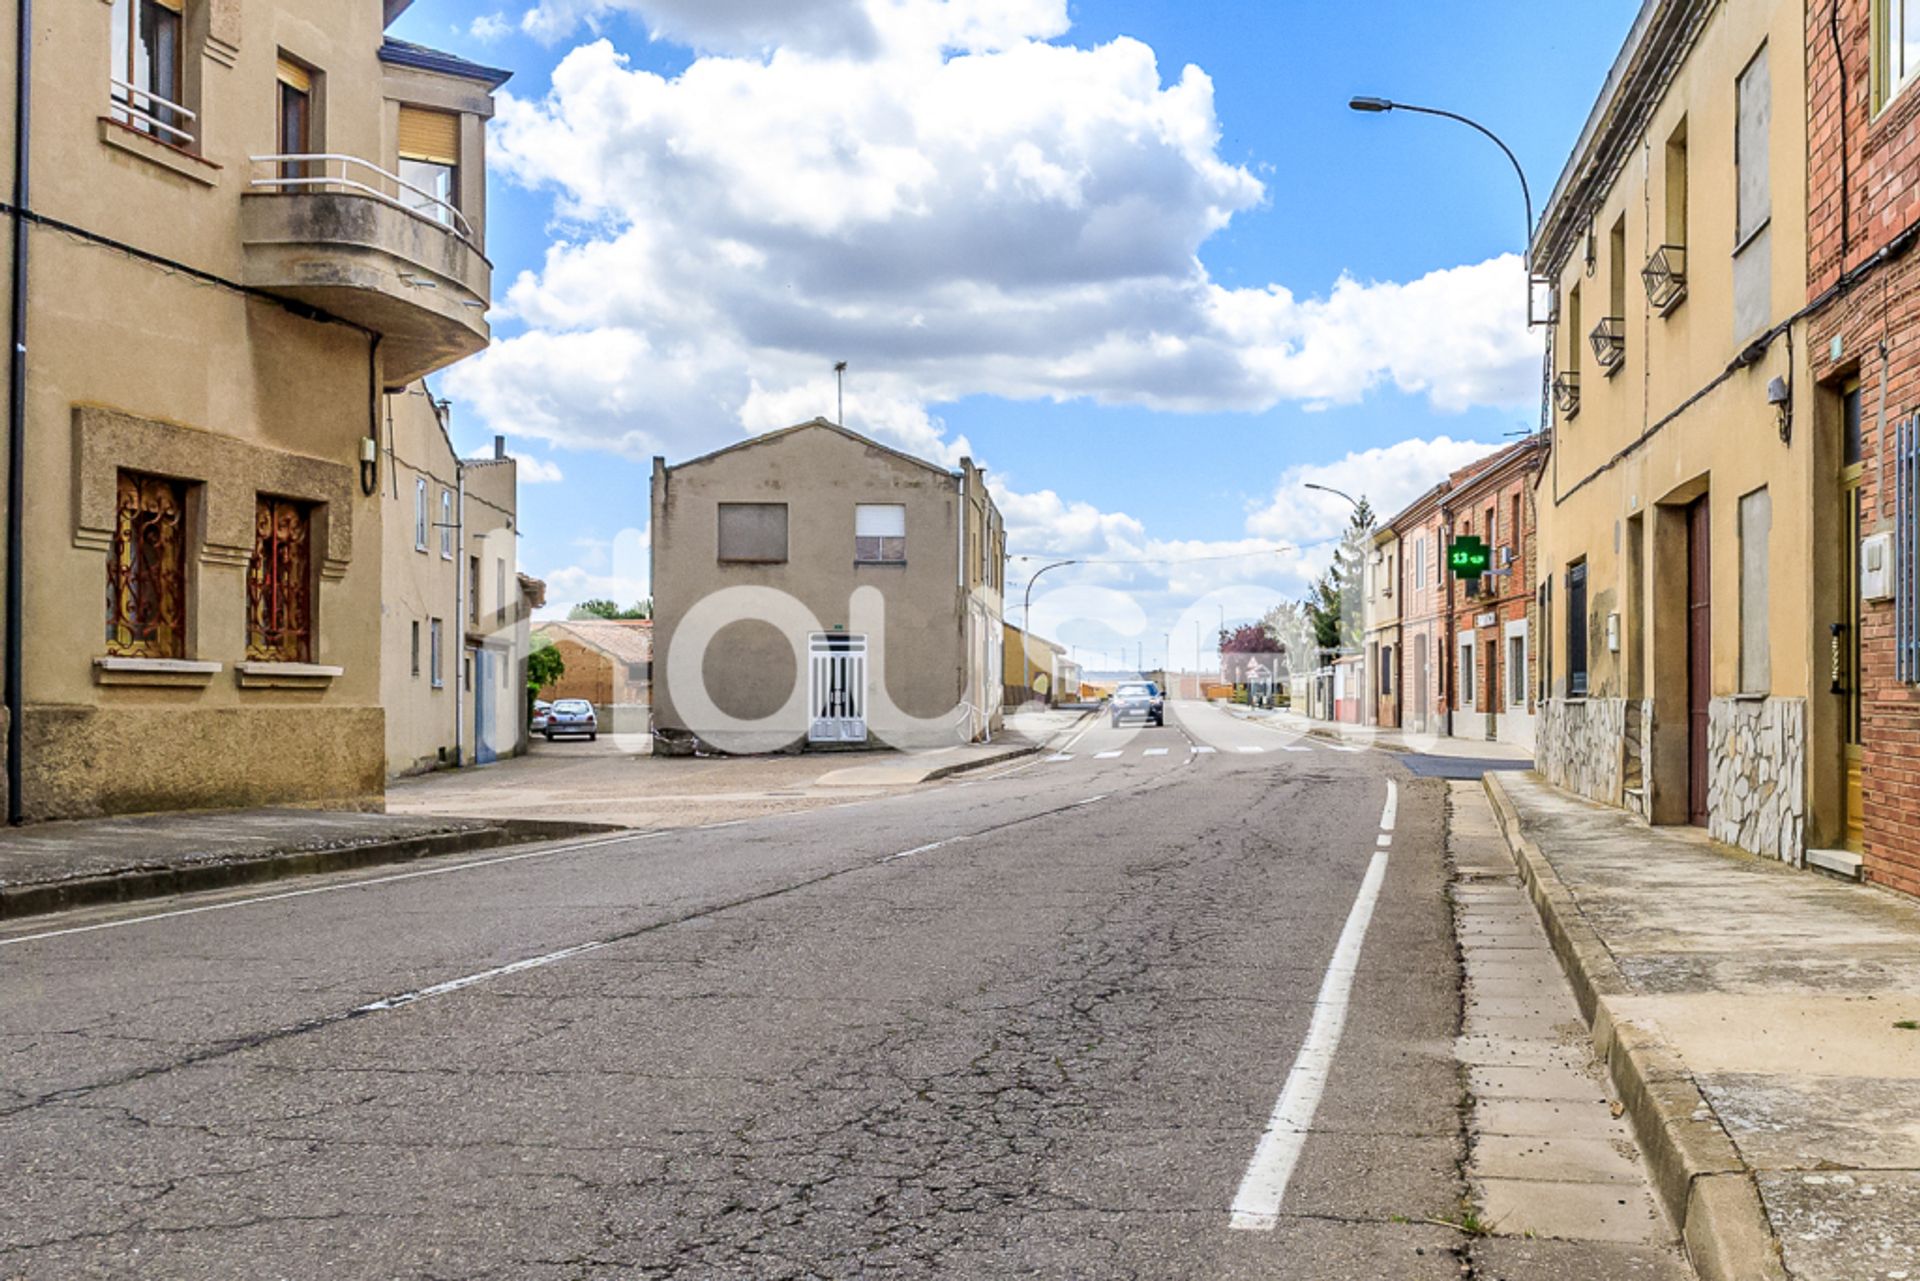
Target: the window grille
(1665, 277)
(280, 583)
(1609, 340)
(147, 575)
(1566, 393)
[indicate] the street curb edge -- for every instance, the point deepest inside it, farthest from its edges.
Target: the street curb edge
(1707, 1190)
(45, 898)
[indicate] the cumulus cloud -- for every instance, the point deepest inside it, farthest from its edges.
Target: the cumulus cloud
(972, 210)
(858, 28)
(538, 471)
(489, 27)
(619, 571)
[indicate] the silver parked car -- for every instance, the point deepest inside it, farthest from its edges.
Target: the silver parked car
(541, 707)
(572, 716)
(1139, 698)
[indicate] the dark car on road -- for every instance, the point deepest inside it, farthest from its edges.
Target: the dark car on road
(1139, 699)
(572, 716)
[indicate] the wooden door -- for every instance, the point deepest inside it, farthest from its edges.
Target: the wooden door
(1699, 657)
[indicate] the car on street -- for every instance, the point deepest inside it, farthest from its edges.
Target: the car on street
(572, 716)
(541, 710)
(1140, 699)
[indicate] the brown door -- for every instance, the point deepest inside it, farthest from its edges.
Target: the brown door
(1699, 658)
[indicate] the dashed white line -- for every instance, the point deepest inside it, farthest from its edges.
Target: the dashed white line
(1105, 756)
(1295, 747)
(1383, 841)
(1202, 751)
(1254, 749)
(1058, 757)
(1391, 813)
(1155, 751)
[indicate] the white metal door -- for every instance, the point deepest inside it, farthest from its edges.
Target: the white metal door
(837, 688)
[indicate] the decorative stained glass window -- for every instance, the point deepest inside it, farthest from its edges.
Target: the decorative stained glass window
(280, 583)
(147, 574)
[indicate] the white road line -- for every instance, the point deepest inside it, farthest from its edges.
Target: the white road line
(335, 889)
(1155, 751)
(1093, 800)
(1340, 748)
(928, 848)
(1296, 748)
(1059, 756)
(1392, 812)
(454, 985)
(1105, 756)
(1255, 749)
(1201, 751)
(1256, 1206)
(1383, 841)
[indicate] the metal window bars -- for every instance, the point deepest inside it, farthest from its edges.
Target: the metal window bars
(148, 112)
(1906, 585)
(1665, 277)
(1566, 393)
(1609, 340)
(331, 171)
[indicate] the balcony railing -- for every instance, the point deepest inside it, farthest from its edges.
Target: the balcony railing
(328, 171)
(1610, 342)
(1566, 393)
(136, 108)
(1665, 276)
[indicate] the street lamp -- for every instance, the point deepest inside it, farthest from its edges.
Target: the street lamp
(1338, 493)
(1377, 106)
(1026, 610)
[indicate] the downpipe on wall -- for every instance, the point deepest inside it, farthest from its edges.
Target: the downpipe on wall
(17, 408)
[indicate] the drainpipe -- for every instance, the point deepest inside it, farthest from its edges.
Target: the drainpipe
(460, 607)
(17, 409)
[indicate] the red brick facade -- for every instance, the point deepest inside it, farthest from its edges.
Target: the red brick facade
(1875, 317)
(1493, 501)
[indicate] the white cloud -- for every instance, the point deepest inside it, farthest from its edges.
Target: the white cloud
(621, 573)
(1389, 479)
(538, 471)
(1020, 218)
(490, 27)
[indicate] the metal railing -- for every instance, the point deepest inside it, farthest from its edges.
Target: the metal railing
(1609, 340)
(331, 171)
(1566, 393)
(1665, 277)
(148, 118)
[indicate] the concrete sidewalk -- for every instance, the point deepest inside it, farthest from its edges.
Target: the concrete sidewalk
(1761, 1025)
(52, 867)
(1387, 740)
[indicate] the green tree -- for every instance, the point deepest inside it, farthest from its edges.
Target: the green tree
(600, 608)
(1333, 603)
(545, 666)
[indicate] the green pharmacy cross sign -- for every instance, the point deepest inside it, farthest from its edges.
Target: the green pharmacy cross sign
(1468, 557)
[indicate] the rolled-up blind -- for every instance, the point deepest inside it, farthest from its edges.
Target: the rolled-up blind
(295, 75)
(433, 136)
(879, 520)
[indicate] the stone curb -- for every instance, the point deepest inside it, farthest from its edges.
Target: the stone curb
(962, 767)
(1707, 1190)
(45, 897)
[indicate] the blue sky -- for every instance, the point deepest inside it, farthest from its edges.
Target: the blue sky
(1134, 458)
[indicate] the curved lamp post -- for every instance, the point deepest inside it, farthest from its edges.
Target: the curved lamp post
(1375, 106)
(1339, 493)
(1026, 610)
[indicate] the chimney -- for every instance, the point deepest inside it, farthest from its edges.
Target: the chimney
(499, 446)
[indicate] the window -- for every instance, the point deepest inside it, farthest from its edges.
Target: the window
(1753, 204)
(1574, 337)
(1676, 195)
(295, 126)
(148, 57)
(499, 591)
(435, 653)
(446, 524)
(280, 582)
(1517, 671)
(416, 647)
(880, 535)
(1577, 630)
(430, 163)
(1465, 692)
(147, 571)
(420, 514)
(1756, 653)
(473, 591)
(1896, 47)
(753, 533)
(1386, 671)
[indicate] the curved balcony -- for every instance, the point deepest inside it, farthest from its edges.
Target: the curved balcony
(350, 239)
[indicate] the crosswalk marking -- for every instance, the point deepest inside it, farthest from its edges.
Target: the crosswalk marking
(1062, 756)
(1297, 748)
(1156, 751)
(1253, 749)
(1202, 751)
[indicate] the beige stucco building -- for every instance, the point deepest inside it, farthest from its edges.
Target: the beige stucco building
(814, 587)
(1380, 628)
(210, 331)
(1683, 537)
(454, 631)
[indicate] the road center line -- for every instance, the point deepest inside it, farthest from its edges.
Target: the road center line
(1392, 811)
(454, 985)
(1256, 1207)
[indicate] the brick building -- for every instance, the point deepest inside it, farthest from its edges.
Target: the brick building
(1491, 632)
(1863, 280)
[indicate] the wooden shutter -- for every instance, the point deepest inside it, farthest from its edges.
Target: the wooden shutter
(432, 136)
(178, 6)
(295, 76)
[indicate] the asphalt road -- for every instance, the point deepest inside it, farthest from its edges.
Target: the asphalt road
(1033, 1024)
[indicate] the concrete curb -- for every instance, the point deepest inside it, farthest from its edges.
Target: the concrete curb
(41, 898)
(1707, 1190)
(963, 767)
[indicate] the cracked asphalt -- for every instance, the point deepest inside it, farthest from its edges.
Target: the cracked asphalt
(1024, 1025)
